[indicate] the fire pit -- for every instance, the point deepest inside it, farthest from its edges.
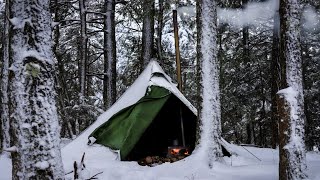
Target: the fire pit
(175, 151)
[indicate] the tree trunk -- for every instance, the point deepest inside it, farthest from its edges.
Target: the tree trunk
(245, 40)
(275, 80)
(210, 112)
(245, 37)
(159, 30)
(310, 123)
(292, 163)
(33, 115)
(250, 132)
(83, 50)
(246, 60)
(198, 67)
(147, 32)
(5, 119)
(109, 80)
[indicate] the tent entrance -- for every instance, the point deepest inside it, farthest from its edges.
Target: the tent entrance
(165, 131)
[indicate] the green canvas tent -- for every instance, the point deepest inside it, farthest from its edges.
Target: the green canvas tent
(149, 117)
(153, 120)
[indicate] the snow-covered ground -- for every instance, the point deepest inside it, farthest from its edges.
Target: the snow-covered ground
(247, 163)
(243, 166)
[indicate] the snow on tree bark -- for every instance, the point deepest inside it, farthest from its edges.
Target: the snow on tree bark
(4, 82)
(33, 114)
(292, 163)
(109, 81)
(147, 32)
(210, 113)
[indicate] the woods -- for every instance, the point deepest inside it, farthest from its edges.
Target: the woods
(251, 67)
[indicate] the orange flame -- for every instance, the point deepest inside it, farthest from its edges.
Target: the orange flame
(176, 151)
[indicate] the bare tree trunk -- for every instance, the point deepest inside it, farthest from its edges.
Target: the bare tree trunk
(250, 133)
(292, 154)
(147, 32)
(210, 112)
(5, 119)
(246, 60)
(83, 50)
(245, 37)
(160, 27)
(275, 80)
(198, 66)
(310, 124)
(109, 80)
(33, 115)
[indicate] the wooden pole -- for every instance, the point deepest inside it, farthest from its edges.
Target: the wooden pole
(178, 63)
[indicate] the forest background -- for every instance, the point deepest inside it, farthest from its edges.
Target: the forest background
(246, 51)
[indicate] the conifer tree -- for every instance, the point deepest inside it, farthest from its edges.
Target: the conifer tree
(292, 153)
(210, 112)
(33, 115)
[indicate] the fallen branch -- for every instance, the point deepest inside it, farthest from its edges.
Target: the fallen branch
(82, 165)
(94, 176)
(251, 153)
(68, 173)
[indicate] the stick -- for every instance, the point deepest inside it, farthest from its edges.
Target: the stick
(94, 176)
(75, 167)
(82, 161)
(251, 153)
(68, 173)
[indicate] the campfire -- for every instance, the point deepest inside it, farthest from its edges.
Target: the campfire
(175, 153)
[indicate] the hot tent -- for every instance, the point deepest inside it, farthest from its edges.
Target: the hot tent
(153, 122)
(148, 118)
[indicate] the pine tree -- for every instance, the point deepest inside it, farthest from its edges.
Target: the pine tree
(147, 32)
(83, 50)
(292, 163)
(109, 49)
(275, 80)
(33, 114)
(210, 113)
(5, 119)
